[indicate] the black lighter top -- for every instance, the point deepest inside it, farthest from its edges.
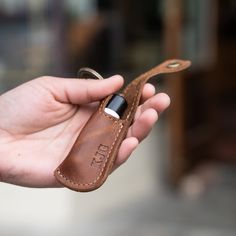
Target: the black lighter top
(116, 106)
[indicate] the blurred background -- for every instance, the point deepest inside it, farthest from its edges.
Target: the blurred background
(182, 179)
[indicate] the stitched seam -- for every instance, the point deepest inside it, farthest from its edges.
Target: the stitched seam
(134, 83)
(101, 172)
(135, 97)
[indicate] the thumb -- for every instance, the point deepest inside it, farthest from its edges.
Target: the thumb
(82, 91)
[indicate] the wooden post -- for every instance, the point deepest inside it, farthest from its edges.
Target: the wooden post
(172, 39)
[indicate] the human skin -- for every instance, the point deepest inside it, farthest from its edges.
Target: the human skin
(40, 120)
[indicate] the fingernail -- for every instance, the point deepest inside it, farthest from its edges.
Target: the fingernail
(117, 77)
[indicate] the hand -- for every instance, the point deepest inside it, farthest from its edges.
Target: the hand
(40, 120)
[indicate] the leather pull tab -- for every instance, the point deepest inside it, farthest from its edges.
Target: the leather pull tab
(92, 156)
(133, 91)
(169, 66)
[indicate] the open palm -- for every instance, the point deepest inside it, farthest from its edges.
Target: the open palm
(40, 120)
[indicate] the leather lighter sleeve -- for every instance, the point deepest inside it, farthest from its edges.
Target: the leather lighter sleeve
(92, 156)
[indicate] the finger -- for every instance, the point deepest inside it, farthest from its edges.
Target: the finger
(126, 148)
(148, 91)
(143, 125)
(82, 91)
(159, 102)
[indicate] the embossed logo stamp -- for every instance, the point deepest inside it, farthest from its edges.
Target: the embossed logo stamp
(99, 156)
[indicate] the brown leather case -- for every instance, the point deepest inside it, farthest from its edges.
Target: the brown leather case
(92, 156)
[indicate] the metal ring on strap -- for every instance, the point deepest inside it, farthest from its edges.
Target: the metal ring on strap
(88, 73)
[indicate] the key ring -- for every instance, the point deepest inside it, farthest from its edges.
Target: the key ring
(88, 73)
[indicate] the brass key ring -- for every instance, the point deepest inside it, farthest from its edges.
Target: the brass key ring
(88, 73)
